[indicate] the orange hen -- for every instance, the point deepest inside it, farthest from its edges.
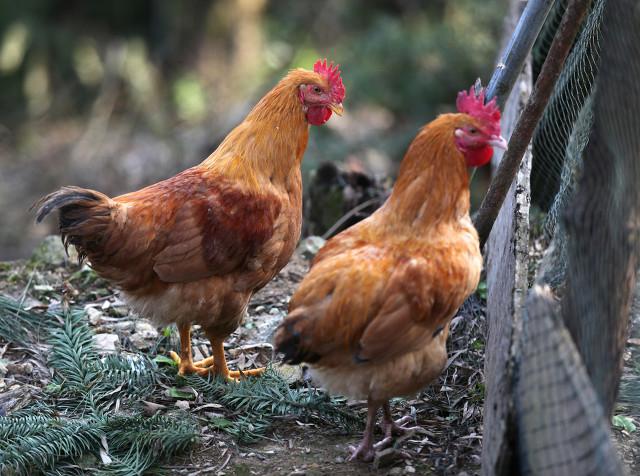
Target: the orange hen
(195, 247)
(372, 316)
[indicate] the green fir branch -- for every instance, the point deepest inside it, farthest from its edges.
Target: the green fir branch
(64, 433)
(257, 401)
(38, 443)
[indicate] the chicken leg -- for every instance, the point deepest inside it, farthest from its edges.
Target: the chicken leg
(216, 363)
(393, 428)
(220, 362)
(185, 360)
(365, 450)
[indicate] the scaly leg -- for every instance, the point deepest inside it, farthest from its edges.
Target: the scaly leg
(392, 428)
(365, 450)
(204, 363)
(220, 362)
(185, 360)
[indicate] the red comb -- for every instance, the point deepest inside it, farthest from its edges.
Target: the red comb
(332, 73)
(469, 103)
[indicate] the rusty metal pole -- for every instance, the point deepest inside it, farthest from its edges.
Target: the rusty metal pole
(519, 141)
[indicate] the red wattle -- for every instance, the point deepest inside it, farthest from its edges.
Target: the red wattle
(478, 157)
(318, 115)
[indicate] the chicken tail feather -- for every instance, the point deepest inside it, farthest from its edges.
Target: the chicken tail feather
(84, 217)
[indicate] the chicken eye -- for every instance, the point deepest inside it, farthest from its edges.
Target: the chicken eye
(473, 130)
(317, 90)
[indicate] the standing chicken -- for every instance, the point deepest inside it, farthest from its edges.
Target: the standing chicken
(195, 247)
(372, 316)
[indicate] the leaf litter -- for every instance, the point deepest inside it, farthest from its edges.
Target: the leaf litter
(241, 431)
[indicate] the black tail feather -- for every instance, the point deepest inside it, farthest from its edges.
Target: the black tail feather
(64, 197)
(83, 216)
(289, 341)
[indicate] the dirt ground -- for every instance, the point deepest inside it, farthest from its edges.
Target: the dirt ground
(448, 413)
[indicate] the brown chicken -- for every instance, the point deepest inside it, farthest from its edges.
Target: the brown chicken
(372, 316)
(195, 247)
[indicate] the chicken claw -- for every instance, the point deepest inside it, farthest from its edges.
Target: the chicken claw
(206, 366)
(365, 452)
(395, 428)
(216, 364)
(247, 373)
(220, 362)
(186, 366)
(208, 362)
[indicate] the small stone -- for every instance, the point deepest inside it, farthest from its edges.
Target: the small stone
(310, 246)
(409, 469)
(290, 373)
(182, 404)
(95, 315)
(146, 329)
(145, 335)
(106, 342)
(388, 457)
(395, 471)
(119, 311)
(139, 342)
(123, 326)
(339, 459)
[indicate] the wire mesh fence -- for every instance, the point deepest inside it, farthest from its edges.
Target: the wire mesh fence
(566, 351)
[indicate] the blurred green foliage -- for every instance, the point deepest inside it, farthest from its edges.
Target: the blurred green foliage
(408, 57)
(116, 95)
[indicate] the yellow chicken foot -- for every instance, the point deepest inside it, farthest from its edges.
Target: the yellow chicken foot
(220, 363)
(208, 362)
(185, 360)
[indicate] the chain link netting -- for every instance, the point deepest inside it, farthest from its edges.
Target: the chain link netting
(549, 144)
(585, 172)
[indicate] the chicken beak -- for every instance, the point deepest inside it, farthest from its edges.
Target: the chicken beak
(498, 141)
(337, 108)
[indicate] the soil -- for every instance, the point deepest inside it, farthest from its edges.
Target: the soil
(448, 412)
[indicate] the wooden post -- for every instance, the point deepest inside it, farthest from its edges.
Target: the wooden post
(506, 266)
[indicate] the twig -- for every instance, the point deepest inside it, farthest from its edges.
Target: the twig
(523, 131)
(348, 215)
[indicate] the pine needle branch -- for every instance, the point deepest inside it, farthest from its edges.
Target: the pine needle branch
(258, 401)
(37, 443)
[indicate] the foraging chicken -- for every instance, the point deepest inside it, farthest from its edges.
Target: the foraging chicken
(195, 247)
(372, 316)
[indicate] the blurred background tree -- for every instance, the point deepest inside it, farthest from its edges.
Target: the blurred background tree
(116, 95)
